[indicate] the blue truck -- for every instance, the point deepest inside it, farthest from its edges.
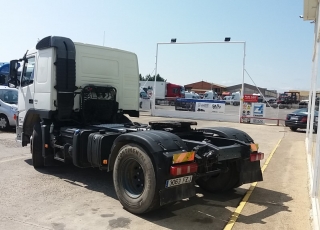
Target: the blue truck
(4, 73)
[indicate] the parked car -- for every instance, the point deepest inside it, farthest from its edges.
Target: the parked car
(271, 102)
(8, 107)
(305, 103)
(298, 119)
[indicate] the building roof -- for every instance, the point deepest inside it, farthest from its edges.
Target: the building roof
(210, 83)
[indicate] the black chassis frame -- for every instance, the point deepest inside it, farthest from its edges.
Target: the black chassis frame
(160, 142)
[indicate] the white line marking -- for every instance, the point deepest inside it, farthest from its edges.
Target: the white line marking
(13, 159)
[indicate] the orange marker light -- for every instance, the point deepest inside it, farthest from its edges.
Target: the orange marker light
(105, 162)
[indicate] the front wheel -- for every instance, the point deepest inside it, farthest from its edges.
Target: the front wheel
(134, 180)
(36, 148)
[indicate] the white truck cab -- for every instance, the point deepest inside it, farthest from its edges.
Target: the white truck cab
(235, 100)
(210, 95)
(55, 72)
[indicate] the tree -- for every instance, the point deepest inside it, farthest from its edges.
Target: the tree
(151, 78)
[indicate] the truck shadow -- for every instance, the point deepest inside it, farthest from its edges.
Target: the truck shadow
(213, 211)
(89, 178)
(204, 211)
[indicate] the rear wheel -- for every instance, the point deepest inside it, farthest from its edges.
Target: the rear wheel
(134, 180)
(36, 148)
(293, 128)
(4, 122)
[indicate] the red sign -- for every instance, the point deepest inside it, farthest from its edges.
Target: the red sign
(250, 98)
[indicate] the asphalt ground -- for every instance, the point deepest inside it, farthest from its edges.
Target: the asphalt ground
(71, 198)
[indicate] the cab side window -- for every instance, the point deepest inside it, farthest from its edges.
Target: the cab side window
(28, 73)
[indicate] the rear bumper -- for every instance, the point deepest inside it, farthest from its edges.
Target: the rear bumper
(248, 172)
(296, 124)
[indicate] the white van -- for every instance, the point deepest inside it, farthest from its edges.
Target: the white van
(8, 107)
(235, 100)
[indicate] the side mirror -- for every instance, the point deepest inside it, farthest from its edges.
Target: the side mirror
(13, 73)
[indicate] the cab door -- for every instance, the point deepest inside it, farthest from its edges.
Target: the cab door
(26, 89)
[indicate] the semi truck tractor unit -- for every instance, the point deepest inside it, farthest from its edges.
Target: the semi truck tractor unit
(165, 92)
(75, 103)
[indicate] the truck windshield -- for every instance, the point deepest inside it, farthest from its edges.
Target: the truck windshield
(9, 96)
(182, 90)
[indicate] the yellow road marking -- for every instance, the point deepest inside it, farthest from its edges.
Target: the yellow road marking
(243, 202)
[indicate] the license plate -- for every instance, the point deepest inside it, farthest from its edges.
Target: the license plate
(178, 181)
(294, 118)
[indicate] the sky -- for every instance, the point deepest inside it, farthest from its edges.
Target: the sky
(279, 44)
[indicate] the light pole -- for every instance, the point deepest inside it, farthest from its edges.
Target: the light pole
(174, 42)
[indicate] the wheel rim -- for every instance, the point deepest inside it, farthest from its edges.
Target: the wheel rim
(132, 178)
(3, 123)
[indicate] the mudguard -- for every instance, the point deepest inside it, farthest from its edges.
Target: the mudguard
(248, 171)
(153, 141)
(157, 144)
(230, 133)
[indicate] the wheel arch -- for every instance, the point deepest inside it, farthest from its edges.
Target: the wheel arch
(31, 118)
(152, 142)
(228, 132)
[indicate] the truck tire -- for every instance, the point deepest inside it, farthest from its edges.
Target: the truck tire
(37, 158)
(223, 182)
(135, 180)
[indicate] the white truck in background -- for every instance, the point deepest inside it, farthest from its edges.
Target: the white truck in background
(210, 95)
(165, 92)
(235, 99)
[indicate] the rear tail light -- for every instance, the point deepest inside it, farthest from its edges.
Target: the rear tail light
(15, 117)
(177, 170)
(256, 156)
(304, 119)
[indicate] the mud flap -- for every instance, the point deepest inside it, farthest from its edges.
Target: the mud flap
(177, 193)
(250, 172)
